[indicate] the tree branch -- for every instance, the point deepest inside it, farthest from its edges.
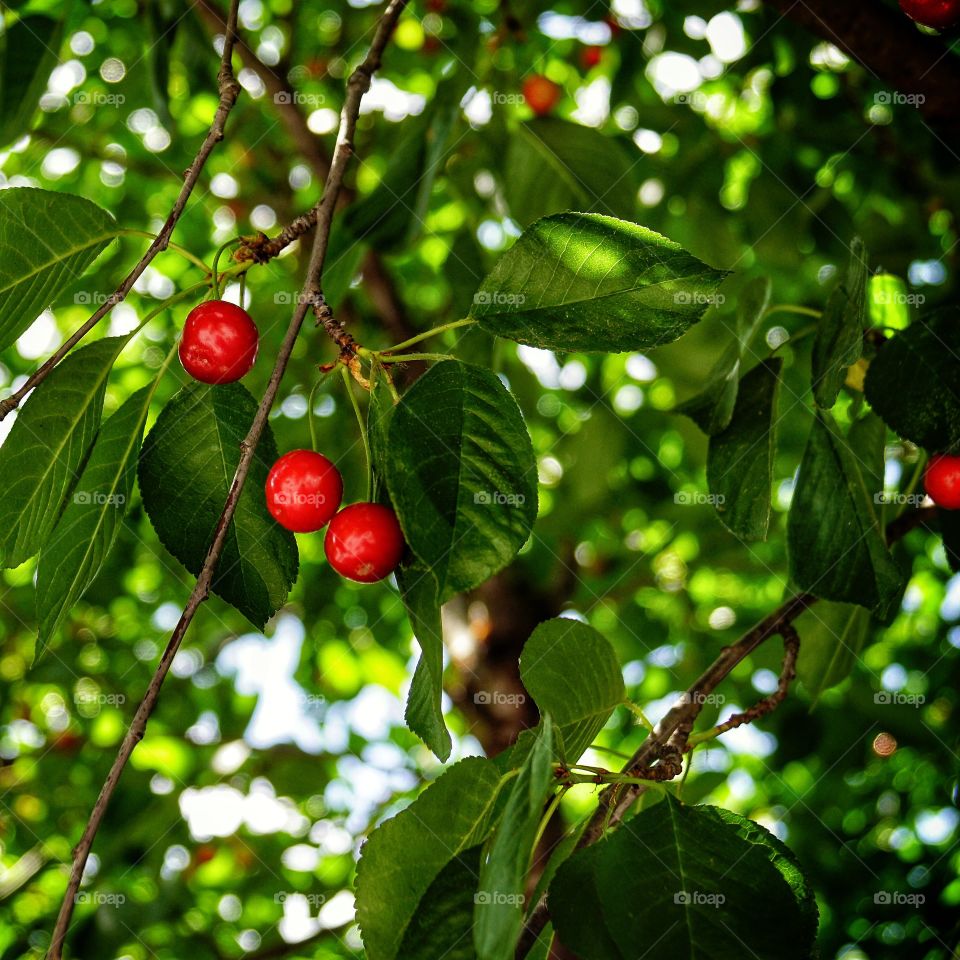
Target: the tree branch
(357, 86)
(229, 90)
(882, 39)
(668, 738)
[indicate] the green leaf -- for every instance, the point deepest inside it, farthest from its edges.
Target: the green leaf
(46, 448)
(404, 855)
(740, 459)
(752, 304)
(914, 381)
(461, 474)
(836, 548)
(554, 165)
(698, 882)
(440, 926)
(712, 408)
(839, 338)
(72, 558)
(831, 638)
(572, 673)
(423, 715)
(783, 858)
(32, 45)
(581, 281)
(393, 214)
(186, 467)
(498, 916)
(47, 240)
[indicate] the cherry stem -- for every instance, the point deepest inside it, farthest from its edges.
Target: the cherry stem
(216, 261)
(453, 325)
(407, 357)
(793, 308)
(363, 429)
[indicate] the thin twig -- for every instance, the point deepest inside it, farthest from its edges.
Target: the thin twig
(357, 86)
(229, 90)
(665, 744)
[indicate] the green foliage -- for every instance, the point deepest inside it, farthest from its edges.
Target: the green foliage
(500, 894)
(740, 461)
(461, 475)
(553, 165)
(46, 449)
(447, 820)
(577, 281)
(712, 408)
(86, 532)
(701, 882)
(30, 52)
(833, 636)
(842, 556)
(914, 382)
(572, 673)
(839, 339)
(418, 587)
(47, 240)
(186, 468)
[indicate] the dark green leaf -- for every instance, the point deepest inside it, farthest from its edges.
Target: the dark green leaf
(461, 474)
(555, 165)
(47, 446)
(186, 468)
(441, 925)
(831, 638)
(46, 240)
(712, 409)
(580, 281)
(839, 338)
(500, 896)
(698, 882)
(82, 538)
(836, 547)
(572, 673)
(423, 714)
(392, 215)
(405, 854)
(740, 459)
(32, 45)
(914, 381)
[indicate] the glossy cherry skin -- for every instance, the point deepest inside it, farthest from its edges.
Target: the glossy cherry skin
(304, 490)
(364, 542)
(541, 94)
(219, 342)
(932, 13)
(942, 481)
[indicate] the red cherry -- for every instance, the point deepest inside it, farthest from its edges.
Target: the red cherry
(932, 13)
(364, 542)
(942, 481)
(304, 490)
(219, 342)
(614, 24)
(541, 94)
(591, 56)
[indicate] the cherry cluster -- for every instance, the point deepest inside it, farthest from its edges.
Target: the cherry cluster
(304, 489)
